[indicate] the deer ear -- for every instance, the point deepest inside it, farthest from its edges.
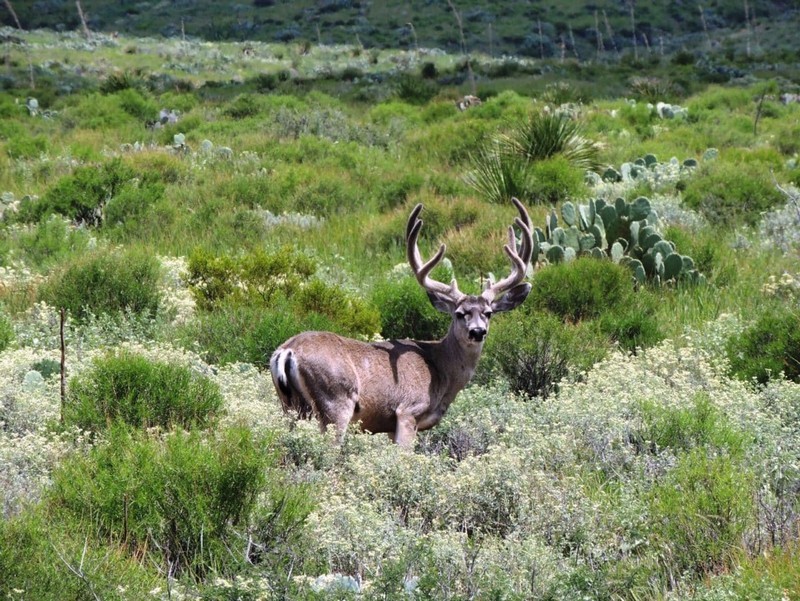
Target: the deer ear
(441, 302)
(512, 299)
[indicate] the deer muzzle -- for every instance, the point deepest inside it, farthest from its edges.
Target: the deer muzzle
(477, 334)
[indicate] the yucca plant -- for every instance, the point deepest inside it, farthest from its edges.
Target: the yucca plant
(503, 168)
(499, 175)
(546, 135)
(651, 89)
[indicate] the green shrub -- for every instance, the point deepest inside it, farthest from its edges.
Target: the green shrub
(253, 278)
(37, 547)
(142, 393)
(182, 501)
(681, 429)
(351, 315)
(82, 195)
(731, 194)
(106, 282)
(555, 180)
(97, 111)
(700, 511)
(27, 146)
(237, 332)
(133, 102)
(243, 106)
(767, 348)
(118, 82)
(512, 164)
(414, 89)
(406, 311)
(51, 241)
(582, 289)
(132, 205)
(498, 177)
(393, 192)
(6, 332)
(535, 351)
(634, 324)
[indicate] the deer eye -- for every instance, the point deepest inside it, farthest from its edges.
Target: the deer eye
(460, 315)
(487, 314)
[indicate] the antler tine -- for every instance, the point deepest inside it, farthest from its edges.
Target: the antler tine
(420, 270)
(520, 258)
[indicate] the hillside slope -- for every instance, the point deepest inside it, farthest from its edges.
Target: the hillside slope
(537, 29)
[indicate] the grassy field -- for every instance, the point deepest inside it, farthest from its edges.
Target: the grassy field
(633, 431)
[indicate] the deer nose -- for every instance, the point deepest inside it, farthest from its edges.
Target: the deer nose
(477, 334)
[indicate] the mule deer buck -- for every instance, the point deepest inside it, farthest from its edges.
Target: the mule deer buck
(400, 386)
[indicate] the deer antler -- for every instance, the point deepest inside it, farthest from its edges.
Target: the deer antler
(520, 258)
(415, 260)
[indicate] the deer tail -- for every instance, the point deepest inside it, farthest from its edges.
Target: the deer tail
(283, 367)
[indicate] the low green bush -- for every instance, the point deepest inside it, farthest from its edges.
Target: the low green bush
(6, 332)
(243, 106)
(350, 313)
(247, 333)
(183, 502)
(542, 157)
(767, 348)
(128, 209)
(106, 282)
(120, 82)
(256, 277)
(635, 323)
(555, 180)
(406, 311)
(414, 89)
(534, 351)
(700, 511)
(732, 193)
(27, 146)
(582, 289)
(49, 242)
(82, 195)
(97, 111)
(38, 547)
(136, 104)
(142, 393)
(681, 429)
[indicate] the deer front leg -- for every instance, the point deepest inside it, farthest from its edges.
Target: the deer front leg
(406, 430)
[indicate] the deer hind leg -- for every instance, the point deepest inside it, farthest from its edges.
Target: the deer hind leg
(336, 411)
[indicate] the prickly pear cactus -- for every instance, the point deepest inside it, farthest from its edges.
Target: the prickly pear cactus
(625, 232)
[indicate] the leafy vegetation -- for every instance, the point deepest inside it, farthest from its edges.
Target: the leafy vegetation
(141, 393)
(632, 431)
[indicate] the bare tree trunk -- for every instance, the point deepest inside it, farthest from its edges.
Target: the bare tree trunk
(63, 365)
(84, 26)
(572, 43)
(633, 29)
(747, 24)
(27, 51)
(414, 37)
(460, 24)
(600, 46)
(704, 24)
(13, 14)
(541, 39)
(610, 33)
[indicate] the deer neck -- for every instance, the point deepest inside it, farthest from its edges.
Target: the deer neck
(458, 359)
